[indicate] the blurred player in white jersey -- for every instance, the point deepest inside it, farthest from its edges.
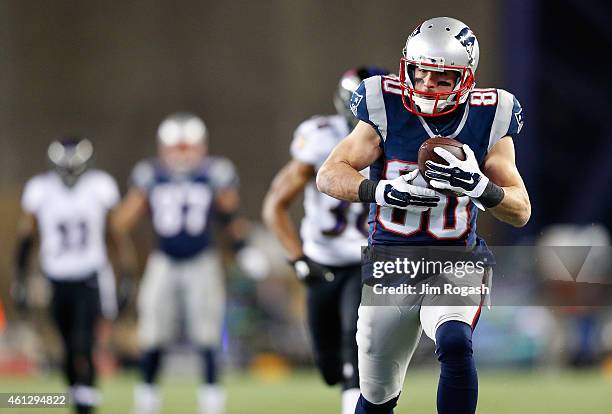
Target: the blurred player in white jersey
(68, 208)
(186, 192)
(328, 256)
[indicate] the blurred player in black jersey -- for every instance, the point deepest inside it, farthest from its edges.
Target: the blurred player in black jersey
(68, 208)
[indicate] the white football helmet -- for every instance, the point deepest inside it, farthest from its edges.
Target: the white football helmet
(182, 139)
(182, 128)
(439, 44)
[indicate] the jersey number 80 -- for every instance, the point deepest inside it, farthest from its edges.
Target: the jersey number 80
(434, 221)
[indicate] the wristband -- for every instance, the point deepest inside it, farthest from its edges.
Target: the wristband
(367, 191)
(492, 195)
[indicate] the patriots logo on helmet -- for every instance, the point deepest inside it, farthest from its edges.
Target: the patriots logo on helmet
(415, 31)
(519, 119)
(467, 39)
(355, 101)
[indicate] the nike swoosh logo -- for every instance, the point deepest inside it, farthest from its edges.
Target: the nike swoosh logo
(394, 198)
(471, 180)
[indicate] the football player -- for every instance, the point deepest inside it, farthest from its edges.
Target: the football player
(433, 96)
(68, 208)
(327, 256)
(185, 191)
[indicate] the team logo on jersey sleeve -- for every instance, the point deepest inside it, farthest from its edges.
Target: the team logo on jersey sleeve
(355, 101)
(519, 119)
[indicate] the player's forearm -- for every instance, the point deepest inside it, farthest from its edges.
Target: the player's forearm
(123, 252)
(515, 208)
(237, 229)
(26, 236)
(124, 220)
(124, 217)
(339, 180)
(278, 221)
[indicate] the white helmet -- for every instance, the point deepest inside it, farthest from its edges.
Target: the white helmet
(182, 128)
(182, 138)
(439, 44)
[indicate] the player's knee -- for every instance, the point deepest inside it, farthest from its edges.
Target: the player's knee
(204, 331)
(379, 381)
(367, 405)
(154, 335)
(377, 392)
(453, 341)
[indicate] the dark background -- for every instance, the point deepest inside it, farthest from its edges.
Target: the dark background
(251, 69)
(254, 69)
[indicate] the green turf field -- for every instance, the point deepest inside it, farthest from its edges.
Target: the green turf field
(303, 393)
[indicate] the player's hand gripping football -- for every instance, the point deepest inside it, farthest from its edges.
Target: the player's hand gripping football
(463, 177)
(399, 193)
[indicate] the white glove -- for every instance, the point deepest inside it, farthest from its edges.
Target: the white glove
(463, 177)
(253, 262)
(398, 193)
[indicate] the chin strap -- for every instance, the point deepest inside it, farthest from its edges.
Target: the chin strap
(427, 105)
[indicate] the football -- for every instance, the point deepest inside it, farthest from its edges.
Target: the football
(426, 153)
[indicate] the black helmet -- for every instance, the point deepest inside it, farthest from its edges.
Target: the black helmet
(349, 82)
(70, 157)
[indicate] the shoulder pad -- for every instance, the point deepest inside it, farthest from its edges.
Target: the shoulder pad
(222, 173)
(143, 176)
(508, 117)
(33, 192)
(105, 186)
(313, 140)
(368, 104)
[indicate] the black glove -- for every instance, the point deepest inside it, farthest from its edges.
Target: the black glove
(311, 272)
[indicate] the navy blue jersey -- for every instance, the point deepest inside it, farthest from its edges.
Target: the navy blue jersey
(182, 206)
(486, 117)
